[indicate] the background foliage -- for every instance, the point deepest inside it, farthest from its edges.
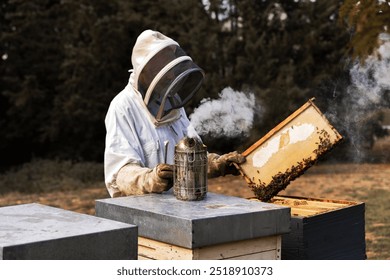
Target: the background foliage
(64, 60)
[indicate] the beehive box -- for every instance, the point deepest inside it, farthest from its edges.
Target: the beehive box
(218, 227)
(39, 232)
(287, 151)
(323, 229)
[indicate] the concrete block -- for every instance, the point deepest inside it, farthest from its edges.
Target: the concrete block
(191, 224)
(35, 231)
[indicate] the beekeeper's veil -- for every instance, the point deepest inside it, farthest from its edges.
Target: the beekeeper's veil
(164, 75)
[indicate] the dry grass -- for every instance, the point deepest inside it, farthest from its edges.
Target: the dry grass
(76, 187)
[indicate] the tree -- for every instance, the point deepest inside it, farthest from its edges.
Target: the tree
(65, 62)
(288, 49)
(67, 59)
(92, 71)
(367, 20)
(31, 44)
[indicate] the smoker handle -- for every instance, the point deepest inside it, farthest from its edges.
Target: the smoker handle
(166, 143)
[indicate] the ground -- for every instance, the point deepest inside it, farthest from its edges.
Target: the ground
(335, 181)
(369, 183)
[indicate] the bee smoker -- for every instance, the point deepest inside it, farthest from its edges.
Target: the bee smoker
(190, 170)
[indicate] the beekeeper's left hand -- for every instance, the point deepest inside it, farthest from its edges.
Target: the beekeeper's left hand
(220, 165)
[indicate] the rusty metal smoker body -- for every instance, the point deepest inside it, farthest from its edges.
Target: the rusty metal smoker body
(190, 170)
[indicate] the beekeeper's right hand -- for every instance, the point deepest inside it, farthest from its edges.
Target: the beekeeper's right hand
(132, 179)
(164, 179)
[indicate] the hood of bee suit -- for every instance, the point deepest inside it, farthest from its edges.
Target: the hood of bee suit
(164, 75)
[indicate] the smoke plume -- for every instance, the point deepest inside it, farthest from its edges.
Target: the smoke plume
(230, 115)
(357, 107)
(372, 79)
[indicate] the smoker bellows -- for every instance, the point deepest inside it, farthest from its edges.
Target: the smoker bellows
(288, 150)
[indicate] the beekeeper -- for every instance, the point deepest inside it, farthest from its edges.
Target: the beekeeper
(147, 114)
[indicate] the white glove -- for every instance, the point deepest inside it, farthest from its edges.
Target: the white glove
(220, 165)
(132, 179)
(164, 179)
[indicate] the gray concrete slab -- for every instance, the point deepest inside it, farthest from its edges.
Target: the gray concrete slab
(192, 224)
(35, 231)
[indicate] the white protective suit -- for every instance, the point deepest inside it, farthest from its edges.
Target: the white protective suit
(135, 138)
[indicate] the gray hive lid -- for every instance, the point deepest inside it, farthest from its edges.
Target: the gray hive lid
(191, 224)
(36, 231)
